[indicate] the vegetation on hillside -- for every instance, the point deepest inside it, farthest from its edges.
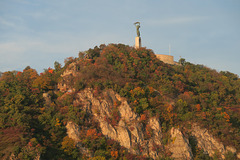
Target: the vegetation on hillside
(179, 95)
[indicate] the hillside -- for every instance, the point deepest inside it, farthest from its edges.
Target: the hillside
(116, 102)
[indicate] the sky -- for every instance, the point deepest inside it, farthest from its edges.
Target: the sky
(37, 33)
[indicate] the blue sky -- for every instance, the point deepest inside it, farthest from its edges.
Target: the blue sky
(37, 33)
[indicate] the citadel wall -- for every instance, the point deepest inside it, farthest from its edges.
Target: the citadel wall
(166, 58)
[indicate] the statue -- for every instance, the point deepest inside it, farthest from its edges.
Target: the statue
(137, 24)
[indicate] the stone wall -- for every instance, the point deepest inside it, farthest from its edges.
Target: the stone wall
(166, 58)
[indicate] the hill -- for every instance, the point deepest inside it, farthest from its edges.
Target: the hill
(116, 102)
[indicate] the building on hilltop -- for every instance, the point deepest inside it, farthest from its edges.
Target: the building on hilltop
(166, 59)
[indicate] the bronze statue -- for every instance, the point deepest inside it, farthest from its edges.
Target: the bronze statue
(137, 24)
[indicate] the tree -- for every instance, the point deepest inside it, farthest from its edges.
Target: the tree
(57, 66)
(182, 61)
(68, 145)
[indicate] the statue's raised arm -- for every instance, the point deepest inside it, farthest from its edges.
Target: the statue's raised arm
(137, 24)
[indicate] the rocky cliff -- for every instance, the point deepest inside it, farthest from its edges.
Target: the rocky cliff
(179, 146)
(116, 102)
(130, 130)
(209, 144)
(140, 137)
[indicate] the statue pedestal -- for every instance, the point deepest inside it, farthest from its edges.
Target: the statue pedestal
(138, 42)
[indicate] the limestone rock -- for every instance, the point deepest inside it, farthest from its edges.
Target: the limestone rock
(38, 157)
(126, 112)
(12, 157)
(64, 85)
(157, 131)
(107, 129)
(47, 98)
(73, 131)
(123, 137)
(179, 146)
(207, 142)
(136, 130)
(238, 155)
(151, 151)
(121, 123)
(231, 149)
(129, 131)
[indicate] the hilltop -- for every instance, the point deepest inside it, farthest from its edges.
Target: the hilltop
(118, 102)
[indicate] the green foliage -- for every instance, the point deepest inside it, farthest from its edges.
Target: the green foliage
(68, 146)
(175, 93)
(182, 61)
(230, 156)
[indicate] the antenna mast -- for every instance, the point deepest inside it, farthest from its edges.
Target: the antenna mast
(169, 49)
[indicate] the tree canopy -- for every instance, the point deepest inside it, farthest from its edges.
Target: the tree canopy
(177, 94)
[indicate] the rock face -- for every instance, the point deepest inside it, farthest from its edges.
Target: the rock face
(73, 132)
(129, 131)
(47, 98)
(179, 146)
(238, 155)
(67, 75)
(209, 144)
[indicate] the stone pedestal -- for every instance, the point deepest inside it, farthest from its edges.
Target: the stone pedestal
(138, 42)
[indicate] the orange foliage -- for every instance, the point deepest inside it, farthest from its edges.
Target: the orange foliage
(204, 115)
(148, 131)
(143, 117)
(180, 86)
(169, 115)
(226, 116)
(137, 91)
(151, 90)
(57, 122)
(42, 109)
(114, 154)
(116, 103)
(170, 108)
(50, 70)
(227, 108)
(135, 102)
(92, 133)
(198, 107)
(188, 93)
(19, 73)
